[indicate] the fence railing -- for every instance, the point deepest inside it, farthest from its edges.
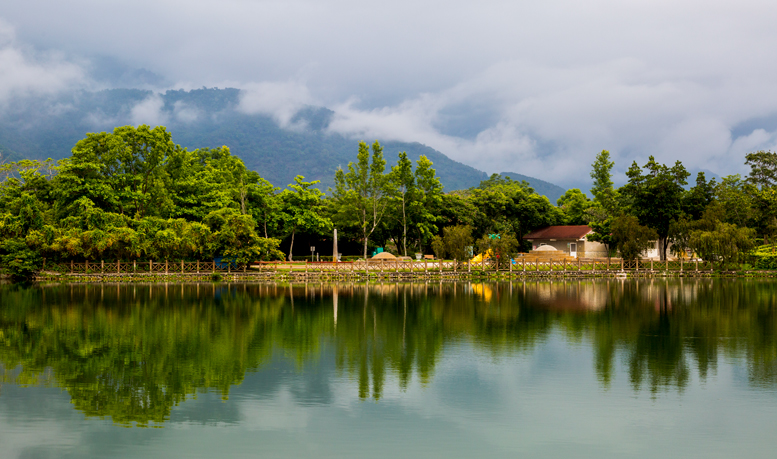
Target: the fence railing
(519, 264)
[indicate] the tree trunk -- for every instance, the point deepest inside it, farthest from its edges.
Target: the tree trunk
(291, 246)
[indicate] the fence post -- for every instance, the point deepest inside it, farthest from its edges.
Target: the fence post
(621, 263)
(681, 265)
(118, 266)
(182, 269)
(454, 265)
(565, 265)
(134, 266)
(440, 265)
(102, 266)
(667, 264)
(167, 266)
(229, 267)
(697, 266)
(198, 266)
(578, 265)
(510, 264)
(523, 263)
(651, 264)
(150, 266)
(71, 266)
(469, 266)
(396, 265)
(551, 265)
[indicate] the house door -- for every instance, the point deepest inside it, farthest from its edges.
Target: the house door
(573, 249)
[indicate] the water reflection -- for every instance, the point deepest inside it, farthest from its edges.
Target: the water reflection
(132, 352)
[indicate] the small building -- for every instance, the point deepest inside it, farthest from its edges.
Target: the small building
(569, 239)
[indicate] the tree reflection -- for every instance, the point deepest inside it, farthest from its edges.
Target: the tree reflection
(132, 352)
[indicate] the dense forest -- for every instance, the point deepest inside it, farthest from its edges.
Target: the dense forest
(134, 194)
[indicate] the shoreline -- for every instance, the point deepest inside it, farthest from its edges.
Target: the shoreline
(361, 276)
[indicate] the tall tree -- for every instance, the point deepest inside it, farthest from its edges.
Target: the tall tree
(656, 196)
(602, 189)
(302, 210)
(363, 193)
(763, 168)
(425, 208)
(404, 183)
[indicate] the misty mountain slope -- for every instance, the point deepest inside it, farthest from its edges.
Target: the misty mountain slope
(205, 117)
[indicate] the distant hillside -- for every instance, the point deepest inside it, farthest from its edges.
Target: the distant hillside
(44, 128)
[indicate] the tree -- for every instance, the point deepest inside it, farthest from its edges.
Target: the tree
(425, 209)
(500, 246)
(233, 236)
(630, 237)
(763, 169)
(699, 197)
(362, 194)
(122, 172)
(506, 206)
(574, 203)
(302, 209)
(454, 243)
(656, 196)
(602, 189)
(404, 183)
(724, 244)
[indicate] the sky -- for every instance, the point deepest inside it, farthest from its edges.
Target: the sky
(537, 88)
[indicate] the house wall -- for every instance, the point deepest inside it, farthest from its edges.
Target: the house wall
(562, 245)
(585, 249)
(593, 250)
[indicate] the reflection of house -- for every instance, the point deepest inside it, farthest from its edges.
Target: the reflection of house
(568, 239)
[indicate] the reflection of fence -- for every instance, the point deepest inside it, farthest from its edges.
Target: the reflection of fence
(519, 265)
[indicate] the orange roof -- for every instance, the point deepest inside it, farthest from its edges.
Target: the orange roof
(559, 232)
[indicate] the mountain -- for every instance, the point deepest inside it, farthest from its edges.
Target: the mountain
(552, 191)
(208, 117)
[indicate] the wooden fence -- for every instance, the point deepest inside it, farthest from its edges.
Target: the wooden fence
(520, 264)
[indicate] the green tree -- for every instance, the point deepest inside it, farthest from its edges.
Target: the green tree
(362, 195)
(302, 210)
(763, 169)
(631, 238)
(121, 172)
(575, 204)
(404, 183)
(656, 196)
(455, 242)
(602, 190)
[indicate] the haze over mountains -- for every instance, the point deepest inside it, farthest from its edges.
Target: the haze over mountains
(278, 148)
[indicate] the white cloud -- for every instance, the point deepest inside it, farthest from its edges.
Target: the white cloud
(149, 111)
(185, 112)
(281, 100)
(22, 73)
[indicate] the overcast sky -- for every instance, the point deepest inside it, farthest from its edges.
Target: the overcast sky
(532, 87)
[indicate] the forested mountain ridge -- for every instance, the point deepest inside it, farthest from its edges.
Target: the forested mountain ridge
(43, 128)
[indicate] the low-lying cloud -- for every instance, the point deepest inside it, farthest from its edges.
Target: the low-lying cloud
(23, 73)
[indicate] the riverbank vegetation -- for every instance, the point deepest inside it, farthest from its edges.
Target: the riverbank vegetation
(133, 194)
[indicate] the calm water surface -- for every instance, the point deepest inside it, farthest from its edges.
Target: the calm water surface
(563, 369)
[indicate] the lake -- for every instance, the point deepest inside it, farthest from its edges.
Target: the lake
(578, 368)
